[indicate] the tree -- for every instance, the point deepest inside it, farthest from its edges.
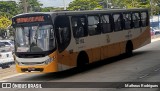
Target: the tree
(9, 8)
(48, 9)
(84, 5)
(4, 22)
(33, 5)
(155, 7)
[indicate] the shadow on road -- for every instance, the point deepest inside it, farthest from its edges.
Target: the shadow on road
(76, 71)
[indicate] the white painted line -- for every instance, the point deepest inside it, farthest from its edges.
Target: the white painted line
(3, 79)
(157, 69)
(143, 76)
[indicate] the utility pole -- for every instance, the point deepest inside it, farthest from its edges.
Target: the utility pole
(151, 9)
(106, 3)
(25, 6)
(64, 4)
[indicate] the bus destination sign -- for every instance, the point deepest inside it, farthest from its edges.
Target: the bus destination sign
(30, 19)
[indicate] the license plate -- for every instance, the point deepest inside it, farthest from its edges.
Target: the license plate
(31, 68)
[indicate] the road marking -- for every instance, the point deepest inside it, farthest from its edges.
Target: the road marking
(3, 78)
(143, 76)
(157, 69)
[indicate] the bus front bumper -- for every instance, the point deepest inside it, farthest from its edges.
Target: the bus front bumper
(51, 67)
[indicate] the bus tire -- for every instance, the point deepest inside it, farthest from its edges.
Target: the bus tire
(129, 49)
(82, 59)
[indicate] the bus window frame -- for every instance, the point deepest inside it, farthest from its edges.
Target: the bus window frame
(146, 20)
(139, 20)
(98, 25)
(85, 27)
(29, 54)
(131, 23)
(110, 22)
(121, 21)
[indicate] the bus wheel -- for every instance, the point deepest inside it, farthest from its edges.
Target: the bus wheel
(82, 59)
(129, 49)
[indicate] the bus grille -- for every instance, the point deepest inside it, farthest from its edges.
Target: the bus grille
(36, 69)
(31, 63)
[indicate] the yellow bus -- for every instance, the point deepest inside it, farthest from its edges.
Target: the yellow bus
(60, 40)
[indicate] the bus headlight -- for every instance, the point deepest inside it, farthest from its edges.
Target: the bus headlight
(16, 61)
(19, 63)
(48, 60)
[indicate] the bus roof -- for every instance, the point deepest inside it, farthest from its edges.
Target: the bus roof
(85, 11)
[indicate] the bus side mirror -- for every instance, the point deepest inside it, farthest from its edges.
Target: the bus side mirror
(51, 33)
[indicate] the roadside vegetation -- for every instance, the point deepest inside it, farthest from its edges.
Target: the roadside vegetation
(8, 9)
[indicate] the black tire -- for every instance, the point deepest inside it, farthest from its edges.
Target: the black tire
(3, 67)
(129, 49)
(82, 60)
(8, 66)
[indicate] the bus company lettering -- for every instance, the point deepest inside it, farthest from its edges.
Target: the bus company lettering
(30, 19)
(27, 85)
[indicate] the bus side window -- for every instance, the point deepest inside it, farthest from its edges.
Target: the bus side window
(136, 19)
(117, 22)
(79, 26)
(94, 26)
(106, 24)
(127, 20)
(144, 19)
(63, 33)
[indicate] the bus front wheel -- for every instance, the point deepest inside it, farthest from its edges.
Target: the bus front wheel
(82, 59)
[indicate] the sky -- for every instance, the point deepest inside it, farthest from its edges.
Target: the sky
(49, 3)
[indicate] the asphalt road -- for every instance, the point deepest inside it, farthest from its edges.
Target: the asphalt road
(143, 66)
(7, 71)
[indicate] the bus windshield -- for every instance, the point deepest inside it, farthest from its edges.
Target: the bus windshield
(34, 38)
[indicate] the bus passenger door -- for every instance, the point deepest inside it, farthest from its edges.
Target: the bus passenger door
(63, 35)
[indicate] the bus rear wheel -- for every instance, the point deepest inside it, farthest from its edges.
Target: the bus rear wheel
(129, 49)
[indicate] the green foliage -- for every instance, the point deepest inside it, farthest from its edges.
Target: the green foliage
(33, 5)
(9, 7)
(84, 5)
(48, 9)
(4, 22)
(153, 5)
